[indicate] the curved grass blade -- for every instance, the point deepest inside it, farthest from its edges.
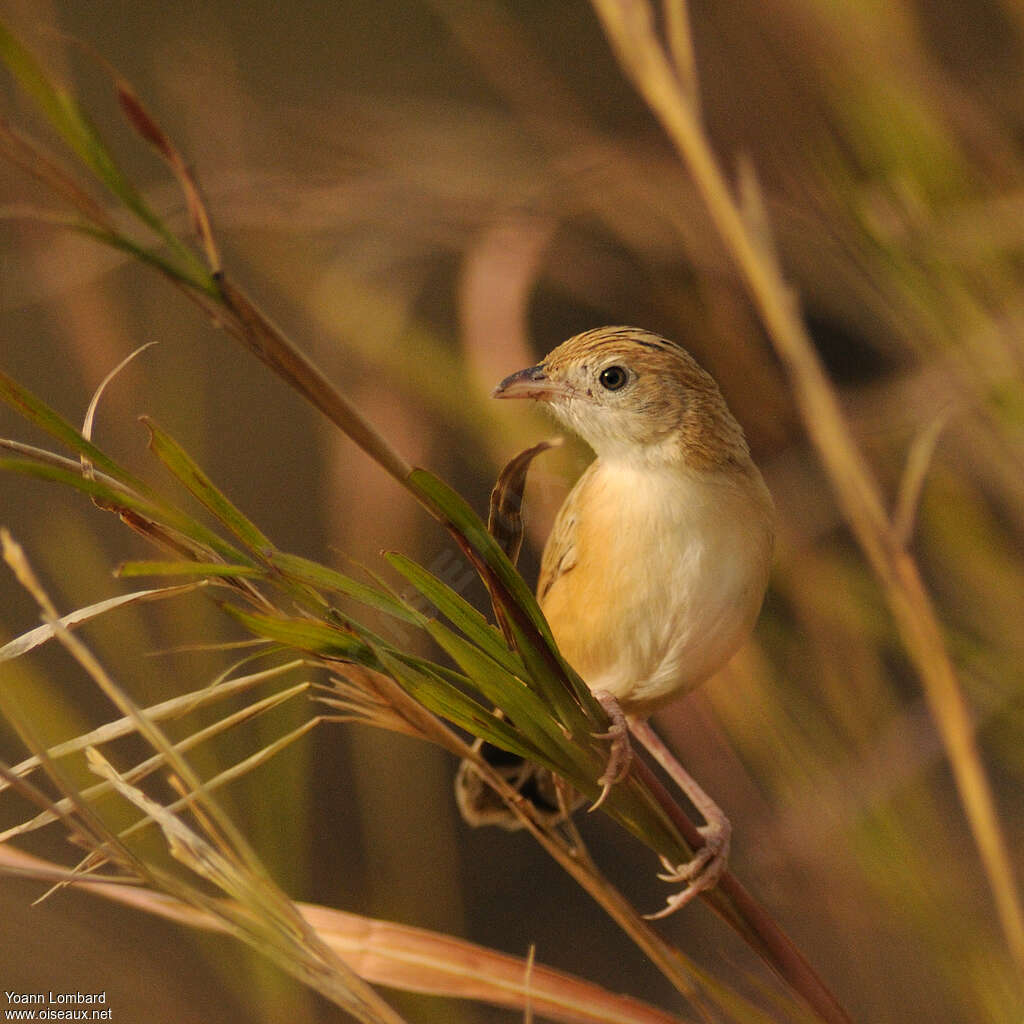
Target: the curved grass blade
(33, 638)
(145, 124)
(458, 611)
(187, 471)
(505, 517)
(128, 570)
(114, 498)
(440, 697)
(453, 508)
(562, 687)
(62, 111)
(37, 412)
(313, 574)
(306, 635)
(531, 716)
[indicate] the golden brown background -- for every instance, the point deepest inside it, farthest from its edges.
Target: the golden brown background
(428, 196)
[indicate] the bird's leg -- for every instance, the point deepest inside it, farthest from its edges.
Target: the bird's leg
(705, 868)
(621, 752)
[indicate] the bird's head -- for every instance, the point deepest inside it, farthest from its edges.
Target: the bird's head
(631, 394)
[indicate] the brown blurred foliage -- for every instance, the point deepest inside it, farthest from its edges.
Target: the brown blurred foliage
(431, 195)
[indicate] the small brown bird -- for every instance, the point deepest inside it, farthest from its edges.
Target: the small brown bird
(657, 564)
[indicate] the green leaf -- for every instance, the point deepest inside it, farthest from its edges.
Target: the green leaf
(117, 499)
(313, 574)
(459, 612)
(529, 713)
(305, 635)
(551, 676)
(187, 470)
(202, 569)
(547, 670)
(440, 697)
(37, 412)
(519, 692)
(455, 509)
(194, 274)
(61, 109)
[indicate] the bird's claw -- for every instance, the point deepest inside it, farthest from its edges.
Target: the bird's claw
(620, 755)
(698, 874)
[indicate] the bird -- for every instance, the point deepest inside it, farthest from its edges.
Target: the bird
(657, 563)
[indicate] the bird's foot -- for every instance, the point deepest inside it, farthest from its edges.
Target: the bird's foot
(621, 753)
(700, 873)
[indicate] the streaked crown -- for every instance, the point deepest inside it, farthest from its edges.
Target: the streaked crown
(629, 393)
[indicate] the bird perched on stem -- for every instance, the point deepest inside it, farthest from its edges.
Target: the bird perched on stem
(658, 560)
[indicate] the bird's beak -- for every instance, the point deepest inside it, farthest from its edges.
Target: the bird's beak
(533, 382)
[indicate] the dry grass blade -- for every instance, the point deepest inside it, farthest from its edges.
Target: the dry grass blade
(381, 952)
(33, 158)
(90, 413)
(505, 518)
(685, 975)
(15, 558)
(367, 697)
(148, 128)
(41, 634)
(236, 771)
(422, 961)
(157, 761)
(918, 461)
(630, 27)
(255, 909)
(680, 45)
(173, 707)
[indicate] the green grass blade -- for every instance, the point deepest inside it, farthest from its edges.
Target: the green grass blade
(130, 570)
(192, 273)
(547, 670)
(527, 711)
(187, 470)
(459, 612)
(118, 499)
(437, 695)
(311, 573)
(551, 676)
(458, 512)
(62, 111)
(37, 412)
(305, 635)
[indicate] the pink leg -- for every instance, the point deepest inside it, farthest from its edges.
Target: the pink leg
(708, 863)
(621, 753)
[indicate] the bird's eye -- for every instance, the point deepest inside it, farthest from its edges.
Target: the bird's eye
(613, 378)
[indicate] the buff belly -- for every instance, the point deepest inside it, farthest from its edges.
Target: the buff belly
(667, 583)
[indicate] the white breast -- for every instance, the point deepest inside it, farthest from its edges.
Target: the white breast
(671, 571)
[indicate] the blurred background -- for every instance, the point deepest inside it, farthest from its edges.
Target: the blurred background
(428, 196)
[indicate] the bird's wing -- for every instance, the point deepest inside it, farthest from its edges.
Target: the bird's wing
(560, 552)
